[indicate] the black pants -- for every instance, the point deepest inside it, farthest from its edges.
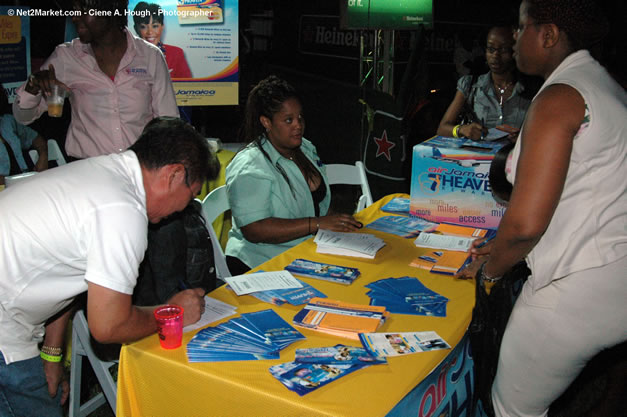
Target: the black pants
(236, 266)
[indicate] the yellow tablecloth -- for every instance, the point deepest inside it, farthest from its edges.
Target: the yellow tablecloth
(157, 382)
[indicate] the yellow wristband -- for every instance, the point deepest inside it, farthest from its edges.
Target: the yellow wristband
(51, 358)
(456, 131)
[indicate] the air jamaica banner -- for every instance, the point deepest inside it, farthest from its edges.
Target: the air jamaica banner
(446, 392)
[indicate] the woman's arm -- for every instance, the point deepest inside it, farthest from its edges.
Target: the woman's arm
(449, 121)
(41, 146)
(551, 124)
(275, 230)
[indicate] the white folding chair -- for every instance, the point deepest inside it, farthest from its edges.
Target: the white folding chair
(81, 347)
(54, 153)
(351, 175)
(214, 204)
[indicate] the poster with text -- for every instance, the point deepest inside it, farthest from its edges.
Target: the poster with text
(14, 48)
(199, 39)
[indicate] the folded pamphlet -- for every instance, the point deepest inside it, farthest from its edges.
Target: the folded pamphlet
(337, 355)
(361, 245)
(327, 272)
(442, 262)
(438, 241)
(303, 378)
(339, 318)
(402, 226)
(461, 231)
(293, 296)
(406, 295)
(262, 281)
(252, 336)
(397, 344)
(399, 205)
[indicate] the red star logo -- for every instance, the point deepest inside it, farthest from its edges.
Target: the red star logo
(384, 146)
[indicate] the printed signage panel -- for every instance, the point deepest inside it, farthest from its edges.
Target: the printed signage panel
(199, 39)
(14, 48)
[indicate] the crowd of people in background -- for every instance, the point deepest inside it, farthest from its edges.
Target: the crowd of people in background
(87, 226)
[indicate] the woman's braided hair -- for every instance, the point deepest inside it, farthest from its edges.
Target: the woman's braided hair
(583, 21)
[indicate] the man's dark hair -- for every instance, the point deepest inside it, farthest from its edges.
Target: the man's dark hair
(143, 12)
(169, 140)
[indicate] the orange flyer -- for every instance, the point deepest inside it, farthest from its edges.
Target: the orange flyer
(340, 318)
(463, 231)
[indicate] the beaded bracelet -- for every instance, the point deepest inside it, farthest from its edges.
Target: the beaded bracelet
(55, 351)
(51, 358)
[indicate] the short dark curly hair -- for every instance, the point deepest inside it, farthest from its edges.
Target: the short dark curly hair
(170, 140)
(583, 21)
(144, 11)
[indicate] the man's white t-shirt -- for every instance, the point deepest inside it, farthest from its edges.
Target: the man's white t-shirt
(85, 221)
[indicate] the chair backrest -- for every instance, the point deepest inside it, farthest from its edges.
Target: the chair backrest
(214, 204)
(351, 175)
(54, 153)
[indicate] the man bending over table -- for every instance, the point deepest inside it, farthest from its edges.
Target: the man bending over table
(83, 227)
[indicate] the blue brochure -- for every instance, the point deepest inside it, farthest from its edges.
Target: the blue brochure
(406, 295)
(252, 336)
(337, 355)
(293, 296)
(398, 205)
(402, 226)
(327, 272)
(303, 378)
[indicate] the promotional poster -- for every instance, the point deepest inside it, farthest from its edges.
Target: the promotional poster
(14, 48)
(199, 39)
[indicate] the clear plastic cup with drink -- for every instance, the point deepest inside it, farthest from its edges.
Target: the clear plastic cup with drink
(55, 100)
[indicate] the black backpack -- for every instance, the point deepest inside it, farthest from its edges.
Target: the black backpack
(179, 256)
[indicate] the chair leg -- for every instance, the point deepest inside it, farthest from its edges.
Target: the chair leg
(81, 347)
(76, 368)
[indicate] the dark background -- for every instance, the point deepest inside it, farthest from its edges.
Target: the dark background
(329, 80)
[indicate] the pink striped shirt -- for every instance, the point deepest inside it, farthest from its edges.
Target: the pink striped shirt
(107, 115)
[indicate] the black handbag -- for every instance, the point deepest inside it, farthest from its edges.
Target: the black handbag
(467, 114)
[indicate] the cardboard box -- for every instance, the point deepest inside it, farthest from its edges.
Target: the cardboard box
(449, 182)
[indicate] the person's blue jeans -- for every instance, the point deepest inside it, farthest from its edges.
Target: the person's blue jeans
(24, 390)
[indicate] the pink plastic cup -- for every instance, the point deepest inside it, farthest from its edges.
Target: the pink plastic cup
(170, 326)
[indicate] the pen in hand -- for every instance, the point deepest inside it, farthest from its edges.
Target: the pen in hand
(482, 244)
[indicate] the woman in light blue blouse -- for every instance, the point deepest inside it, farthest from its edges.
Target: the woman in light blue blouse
(492, 99)
(277, 186)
